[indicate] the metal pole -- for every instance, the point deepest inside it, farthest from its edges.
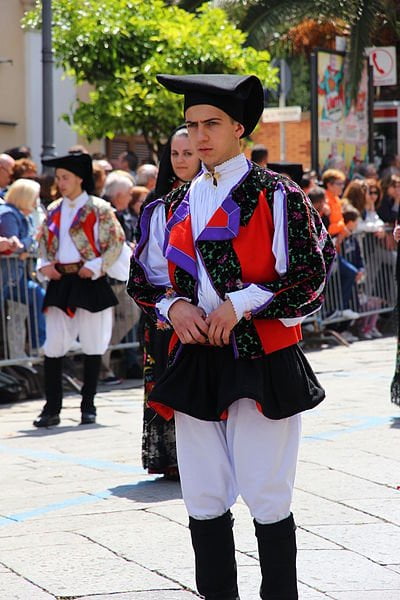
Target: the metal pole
(282, 104)
(370, 114)
(314, 113)
(48, 147)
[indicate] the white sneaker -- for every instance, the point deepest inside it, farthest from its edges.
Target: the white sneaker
(365, 335)
(349, 314)
(375, 333)
(349, 337)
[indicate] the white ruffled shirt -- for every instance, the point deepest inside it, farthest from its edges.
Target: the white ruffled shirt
(204, 199)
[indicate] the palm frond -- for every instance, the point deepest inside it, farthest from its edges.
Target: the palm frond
(271, 12)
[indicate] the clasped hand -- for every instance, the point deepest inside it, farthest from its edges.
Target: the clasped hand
(193, 326)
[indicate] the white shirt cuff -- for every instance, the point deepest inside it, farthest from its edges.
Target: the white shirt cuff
(249, 299)
(95, 265)
(41, 262)
(165, 304)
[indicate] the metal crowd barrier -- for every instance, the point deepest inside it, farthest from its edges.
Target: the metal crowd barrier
(19, 328)
(20, 314)
(376, 290)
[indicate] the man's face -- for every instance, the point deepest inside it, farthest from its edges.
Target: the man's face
(6, 171)
(122, 198)
(69, 184)
(213, 135)
(336, 187)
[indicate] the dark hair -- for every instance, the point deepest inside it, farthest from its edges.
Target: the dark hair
(350, 213)
(305, 181)
(19, 152)
(259, 153)
(388, 181)
(316, 194)
(166, 176)
(131, 158)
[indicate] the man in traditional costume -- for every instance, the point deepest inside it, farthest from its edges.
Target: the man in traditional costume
(233, 262)
(81, 240)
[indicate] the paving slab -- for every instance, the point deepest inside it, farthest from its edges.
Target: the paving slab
(80, 518)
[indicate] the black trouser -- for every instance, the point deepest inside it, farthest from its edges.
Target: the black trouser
(53, 384)
(214, 551)
(277, 552)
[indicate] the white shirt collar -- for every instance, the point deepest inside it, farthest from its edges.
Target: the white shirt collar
(228, 169)
(79, 200)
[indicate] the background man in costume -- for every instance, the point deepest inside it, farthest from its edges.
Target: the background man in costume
(233, 262)
(81, 241)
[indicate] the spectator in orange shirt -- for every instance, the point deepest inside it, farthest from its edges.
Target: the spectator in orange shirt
(333, 181)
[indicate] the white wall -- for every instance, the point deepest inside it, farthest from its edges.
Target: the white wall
(64, 95)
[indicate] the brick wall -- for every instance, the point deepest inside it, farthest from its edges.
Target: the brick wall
(298, 140)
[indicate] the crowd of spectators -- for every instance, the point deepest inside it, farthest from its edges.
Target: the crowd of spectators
(25, 194)
(359, 213)
(368, 204)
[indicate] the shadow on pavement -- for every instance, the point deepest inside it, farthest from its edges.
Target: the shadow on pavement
(149, 491)
(46, 431)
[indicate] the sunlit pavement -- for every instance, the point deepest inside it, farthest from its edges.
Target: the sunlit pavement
(79, 518)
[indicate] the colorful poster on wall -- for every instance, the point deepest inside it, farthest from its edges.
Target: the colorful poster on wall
(342, 125)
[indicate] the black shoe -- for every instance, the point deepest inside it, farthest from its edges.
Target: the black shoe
(88, 419)
(134, 372)
(47, 420)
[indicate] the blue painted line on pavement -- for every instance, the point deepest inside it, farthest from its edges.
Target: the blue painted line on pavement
(88, 498)
(92, 463)
(36, 512)
(365, 423)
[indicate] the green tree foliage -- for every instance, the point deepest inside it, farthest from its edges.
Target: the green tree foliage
(118, 46)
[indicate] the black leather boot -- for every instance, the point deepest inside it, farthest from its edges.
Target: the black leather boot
(53, 392)
(91, 371)
(214, 551)
(277, 552)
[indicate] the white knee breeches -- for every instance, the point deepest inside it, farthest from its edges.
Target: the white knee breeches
(94, 330)
(248, 454)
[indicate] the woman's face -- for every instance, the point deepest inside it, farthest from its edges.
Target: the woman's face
(394, 188)
(184, 162)
(29, 208)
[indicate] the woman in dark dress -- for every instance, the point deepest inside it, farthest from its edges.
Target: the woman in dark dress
(178, 165)
(395, 385)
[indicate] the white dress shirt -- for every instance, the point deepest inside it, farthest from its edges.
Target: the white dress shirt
(204, 199)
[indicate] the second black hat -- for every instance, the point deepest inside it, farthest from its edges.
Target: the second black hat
(78, 163)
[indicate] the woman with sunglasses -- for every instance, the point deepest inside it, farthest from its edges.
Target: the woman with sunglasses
(389, 207)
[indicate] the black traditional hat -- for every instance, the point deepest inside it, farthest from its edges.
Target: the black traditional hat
(293, 170)
(239, 96)
(78, 163)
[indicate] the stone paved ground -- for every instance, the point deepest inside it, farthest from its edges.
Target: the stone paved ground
(80, 519)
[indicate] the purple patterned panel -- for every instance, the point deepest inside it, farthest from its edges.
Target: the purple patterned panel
(179, 215)
(53, 227)
(179, 258)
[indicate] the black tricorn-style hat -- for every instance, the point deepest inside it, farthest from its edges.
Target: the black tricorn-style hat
(78, 163)
(239, 96)
(293, 170)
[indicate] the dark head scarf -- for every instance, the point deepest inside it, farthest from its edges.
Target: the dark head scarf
(166, 176)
